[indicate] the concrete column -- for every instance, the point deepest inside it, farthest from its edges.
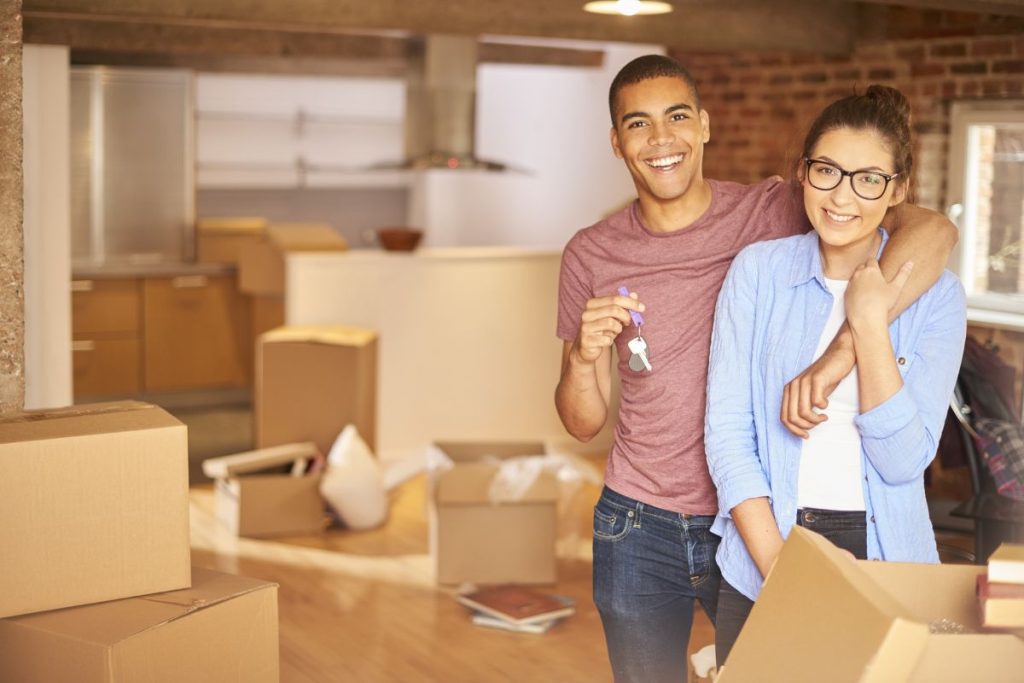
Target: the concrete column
(12, 310)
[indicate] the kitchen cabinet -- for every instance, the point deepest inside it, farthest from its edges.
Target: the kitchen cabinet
(105, 347)
(146, 335)
(196, 332)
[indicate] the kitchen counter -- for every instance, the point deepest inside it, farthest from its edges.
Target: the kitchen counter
(124, 269)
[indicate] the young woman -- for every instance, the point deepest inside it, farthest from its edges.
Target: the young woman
(857, 475)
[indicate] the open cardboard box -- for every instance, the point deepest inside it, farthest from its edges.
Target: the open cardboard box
(261, 263)
(224, 628)
(253, 497)
(473, 539)
(93, 505)
(823, 617)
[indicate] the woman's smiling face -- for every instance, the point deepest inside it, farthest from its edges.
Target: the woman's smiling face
(840, 216)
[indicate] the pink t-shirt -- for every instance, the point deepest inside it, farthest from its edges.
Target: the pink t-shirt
(658, 453)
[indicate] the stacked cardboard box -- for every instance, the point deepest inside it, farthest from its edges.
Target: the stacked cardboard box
(95, 507)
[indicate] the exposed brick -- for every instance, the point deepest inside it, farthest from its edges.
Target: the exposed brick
(770, 60)
(969, 68)
(719, 78)
(847, 74)
(1015, 66)
(949, 89)
(913, 53)
(741, 64)
(804, 95)
(989, 88)
(992, 48)
(814, 77)
(948, 50)
(881, 74)
(783, 112)
(734, 96)
(781, 79)
(970, 89)
(751, 112)
(930, 89)
(752, 78)
(927, 69)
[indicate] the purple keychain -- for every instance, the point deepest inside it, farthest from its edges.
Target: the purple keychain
(638, 361)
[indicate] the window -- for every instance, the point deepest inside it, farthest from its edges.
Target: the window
(986, 199)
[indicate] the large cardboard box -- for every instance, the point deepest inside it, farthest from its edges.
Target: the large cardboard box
(313, 380)
(476, 540)
(261, 264)
(221, 240)
(93, 506)
(224, 628)
(823, 617)
(254, 498)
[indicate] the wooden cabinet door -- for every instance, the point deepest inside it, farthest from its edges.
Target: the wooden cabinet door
(195, 331)
(105, 308)
(106, 366)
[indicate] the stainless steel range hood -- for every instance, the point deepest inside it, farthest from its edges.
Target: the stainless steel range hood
(441, 106)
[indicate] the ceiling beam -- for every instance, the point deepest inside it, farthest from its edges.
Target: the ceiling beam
(804, 25)
(1008, 8)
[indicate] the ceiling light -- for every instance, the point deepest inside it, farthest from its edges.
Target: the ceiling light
(628, 8)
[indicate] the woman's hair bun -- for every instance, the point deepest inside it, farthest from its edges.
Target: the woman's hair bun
(890, 98)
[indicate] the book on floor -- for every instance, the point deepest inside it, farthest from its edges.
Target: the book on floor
(1001, 605)
(1006, 564)
(517, 604)
(493, 622)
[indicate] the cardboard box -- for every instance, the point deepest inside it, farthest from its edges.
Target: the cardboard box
(222, 629)
(221, 240)
(823, 617)
(313, 380)
(94, 506)
(473, 539)
(261, 265)
(250, 501)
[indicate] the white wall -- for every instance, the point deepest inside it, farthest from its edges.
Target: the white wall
(553, 123)
(467, 344)
(47, 226)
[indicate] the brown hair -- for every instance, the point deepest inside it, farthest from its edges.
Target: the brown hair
(644, 68)
(882, 109)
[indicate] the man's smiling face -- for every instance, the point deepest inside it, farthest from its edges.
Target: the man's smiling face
(660, 133)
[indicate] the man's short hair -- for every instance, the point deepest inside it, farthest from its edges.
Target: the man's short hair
(644, 68)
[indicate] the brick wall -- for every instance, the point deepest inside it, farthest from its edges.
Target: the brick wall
(761, 104)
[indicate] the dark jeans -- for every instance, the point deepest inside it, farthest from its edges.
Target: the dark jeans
(650, 565)
(847, 530)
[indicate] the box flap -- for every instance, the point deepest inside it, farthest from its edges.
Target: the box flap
(254, 461)
(470, 482)
(306, 237)
(107, 623)
(233, 225)
(821, 617)
(950, 594)
(96, 418)
(320, 334)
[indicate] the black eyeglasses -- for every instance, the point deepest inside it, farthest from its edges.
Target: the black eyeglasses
(824, 175)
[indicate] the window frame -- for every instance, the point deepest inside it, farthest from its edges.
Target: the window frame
(989, 308)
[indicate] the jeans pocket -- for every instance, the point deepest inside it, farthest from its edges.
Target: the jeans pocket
(611, 523)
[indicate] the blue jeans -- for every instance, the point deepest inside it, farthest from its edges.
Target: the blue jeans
(847, 530)
(650, 565)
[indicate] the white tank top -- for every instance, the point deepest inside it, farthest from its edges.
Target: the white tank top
(831, 467)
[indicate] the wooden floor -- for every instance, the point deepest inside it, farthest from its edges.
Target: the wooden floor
(362, 606)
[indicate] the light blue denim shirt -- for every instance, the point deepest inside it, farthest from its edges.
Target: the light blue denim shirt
(770, 316)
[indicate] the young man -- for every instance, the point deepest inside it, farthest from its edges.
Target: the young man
(654, 553)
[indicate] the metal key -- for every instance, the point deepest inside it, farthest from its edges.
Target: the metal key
(638, 361)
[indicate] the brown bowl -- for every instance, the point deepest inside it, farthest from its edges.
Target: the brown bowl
(399, 239)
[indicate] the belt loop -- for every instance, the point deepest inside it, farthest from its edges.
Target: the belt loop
(638, 514)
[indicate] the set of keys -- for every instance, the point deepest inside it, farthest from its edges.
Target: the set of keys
(638, 360)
